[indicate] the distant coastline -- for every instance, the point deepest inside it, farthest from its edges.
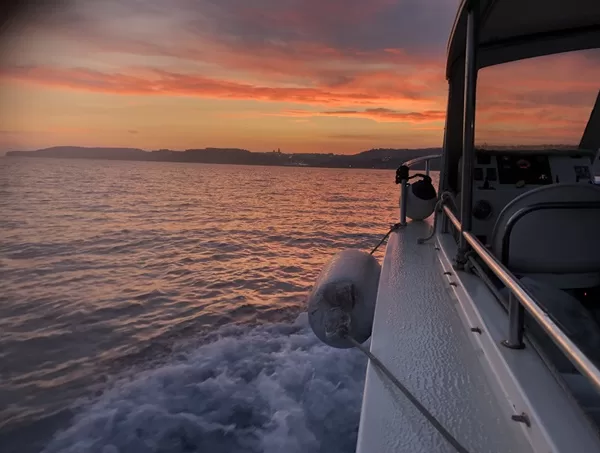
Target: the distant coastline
(380, 158)
(374, 158)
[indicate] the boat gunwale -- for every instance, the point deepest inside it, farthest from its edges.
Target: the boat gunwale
(516, 372)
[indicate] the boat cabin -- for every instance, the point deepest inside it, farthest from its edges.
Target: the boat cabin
(516, 241)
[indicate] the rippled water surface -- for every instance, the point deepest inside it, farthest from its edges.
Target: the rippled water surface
(155, 306)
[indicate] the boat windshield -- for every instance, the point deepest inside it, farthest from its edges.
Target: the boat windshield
(542, 102)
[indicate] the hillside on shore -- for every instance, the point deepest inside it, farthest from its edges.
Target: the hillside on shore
(374, 158)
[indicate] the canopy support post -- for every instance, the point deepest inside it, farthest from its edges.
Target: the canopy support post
(443, 182)
(468, 155)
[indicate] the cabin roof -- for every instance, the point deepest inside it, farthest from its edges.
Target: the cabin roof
(511, 30)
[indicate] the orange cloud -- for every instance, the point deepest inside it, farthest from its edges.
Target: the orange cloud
(383, 114)
(541, 100)
(380, 60)
(158, 82)
(379, 114)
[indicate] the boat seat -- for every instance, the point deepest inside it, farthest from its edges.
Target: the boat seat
(551, 233)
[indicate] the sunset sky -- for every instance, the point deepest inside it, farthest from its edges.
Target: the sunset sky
(300, 75)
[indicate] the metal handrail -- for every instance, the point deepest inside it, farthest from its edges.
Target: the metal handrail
(418, 160)
(556, 334)
(404, 182)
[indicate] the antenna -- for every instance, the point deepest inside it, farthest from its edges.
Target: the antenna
(591, 136)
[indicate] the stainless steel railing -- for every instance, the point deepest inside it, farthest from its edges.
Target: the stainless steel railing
(521, 299)
(404, 182)
(418, 160)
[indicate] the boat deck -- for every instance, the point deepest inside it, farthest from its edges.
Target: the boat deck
(418, 334)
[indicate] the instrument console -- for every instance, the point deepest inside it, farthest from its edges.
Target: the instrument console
(501, 176)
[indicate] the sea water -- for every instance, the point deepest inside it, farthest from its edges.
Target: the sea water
(158, 307)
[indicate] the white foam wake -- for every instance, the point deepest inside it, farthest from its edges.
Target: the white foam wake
(265, 389)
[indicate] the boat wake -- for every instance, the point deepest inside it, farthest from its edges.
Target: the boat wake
(263, 389)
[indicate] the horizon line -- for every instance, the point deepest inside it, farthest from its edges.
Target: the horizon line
(483, 146)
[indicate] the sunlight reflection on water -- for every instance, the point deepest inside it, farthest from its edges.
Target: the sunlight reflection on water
(108, 266)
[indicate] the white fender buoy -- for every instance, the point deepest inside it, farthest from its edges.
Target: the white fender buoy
(422, 199)
(343, 298)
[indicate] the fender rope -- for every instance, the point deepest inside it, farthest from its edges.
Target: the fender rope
(394, 227)
(430, 418)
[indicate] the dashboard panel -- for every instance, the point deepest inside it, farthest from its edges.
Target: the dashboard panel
(515, 169)
(501, 176)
